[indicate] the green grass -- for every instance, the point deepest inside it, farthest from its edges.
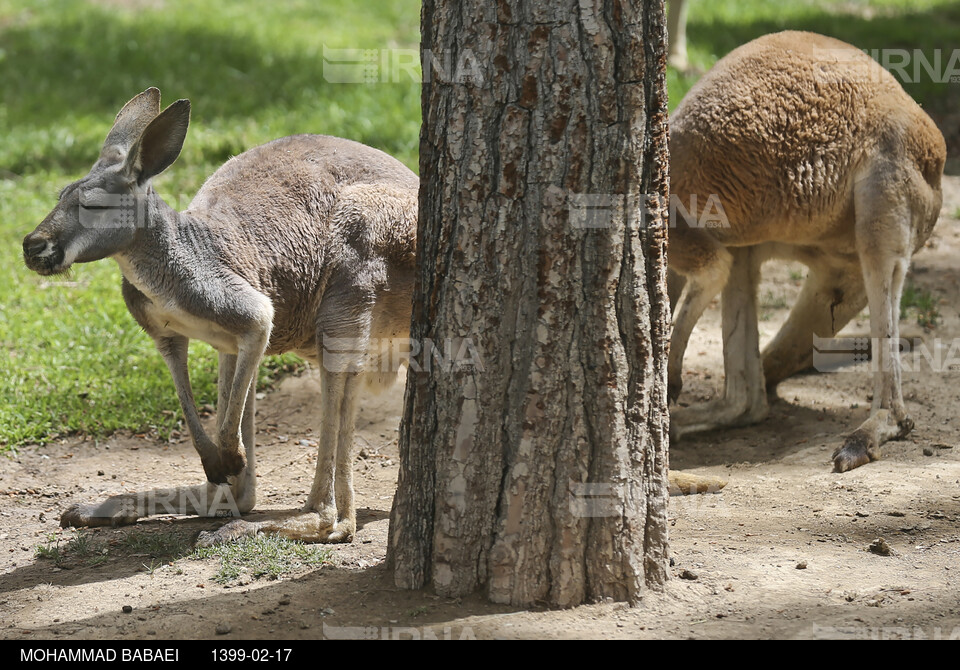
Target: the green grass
(259, 557)
(262, 556)
(83, 548)
(771, 300)
(156, 545)
(920, 302)
(83, 545)
(71, 357)
(50, 550)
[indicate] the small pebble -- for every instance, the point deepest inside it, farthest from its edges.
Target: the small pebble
(223, 628)
(802, 565)
(879, 547)
(127, 609)
(689, 574)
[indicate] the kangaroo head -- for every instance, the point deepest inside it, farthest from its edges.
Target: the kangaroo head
(100, 214)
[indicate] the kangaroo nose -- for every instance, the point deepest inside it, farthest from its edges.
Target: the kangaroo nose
(33, 246)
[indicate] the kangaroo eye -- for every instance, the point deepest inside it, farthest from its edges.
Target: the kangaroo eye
(97, 199)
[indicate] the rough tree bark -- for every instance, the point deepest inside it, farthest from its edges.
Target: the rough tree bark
(539, 474)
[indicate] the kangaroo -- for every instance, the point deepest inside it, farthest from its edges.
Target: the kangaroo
(677, 33)
(305, 244)
(818, 155)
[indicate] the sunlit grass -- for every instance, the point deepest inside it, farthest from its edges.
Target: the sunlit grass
(263, 556)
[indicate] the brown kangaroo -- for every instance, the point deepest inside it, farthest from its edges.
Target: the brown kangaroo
(817, 155)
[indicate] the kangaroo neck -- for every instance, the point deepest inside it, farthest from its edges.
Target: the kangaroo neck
(156, 255)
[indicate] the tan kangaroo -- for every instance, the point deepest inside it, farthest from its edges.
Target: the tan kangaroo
(304, 244)
(818, 155)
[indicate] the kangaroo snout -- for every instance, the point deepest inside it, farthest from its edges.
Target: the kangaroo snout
(34, 245)
(41, 254)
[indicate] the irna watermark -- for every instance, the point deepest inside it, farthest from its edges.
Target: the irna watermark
(392, 66)
(397, 633)
(210, 500)
(601, 500)
(908, 66)
(860, 354)
(863, 632)
(604, 210)
(388, 355)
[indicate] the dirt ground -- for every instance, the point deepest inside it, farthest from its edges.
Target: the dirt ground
(781, 552)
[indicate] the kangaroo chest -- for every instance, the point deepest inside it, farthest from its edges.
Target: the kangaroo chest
(165, 316)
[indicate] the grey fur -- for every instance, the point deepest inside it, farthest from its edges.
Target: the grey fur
(304, 238)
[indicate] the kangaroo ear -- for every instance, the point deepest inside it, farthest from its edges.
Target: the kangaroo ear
(160, 142)
(130, 122)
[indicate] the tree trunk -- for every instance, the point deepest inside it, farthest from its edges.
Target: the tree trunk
(533, 460)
